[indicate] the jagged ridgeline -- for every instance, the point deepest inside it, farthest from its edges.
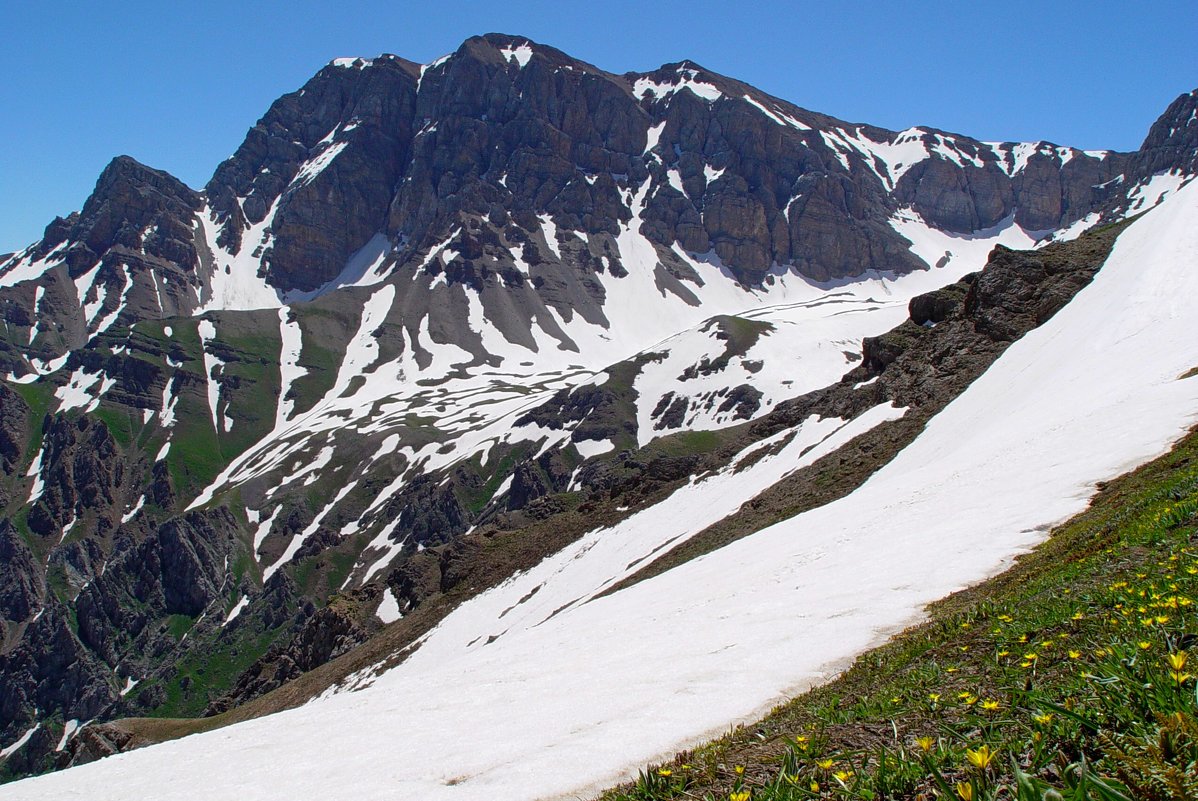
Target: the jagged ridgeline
(432, 323)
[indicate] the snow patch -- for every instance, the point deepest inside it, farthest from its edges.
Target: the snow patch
(388, 610)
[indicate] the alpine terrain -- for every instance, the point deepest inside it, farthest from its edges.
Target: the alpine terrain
(480, 425)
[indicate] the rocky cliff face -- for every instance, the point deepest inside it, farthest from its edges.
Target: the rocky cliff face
(474, 151)
(1172, 142)
(130, 254)
(512, 162)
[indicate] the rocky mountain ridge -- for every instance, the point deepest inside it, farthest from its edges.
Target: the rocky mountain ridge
(423, 300)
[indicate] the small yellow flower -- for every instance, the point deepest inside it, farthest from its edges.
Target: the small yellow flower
(1176, 660)
(1162, 620)
(742, 795)
(1004, 653)
(1179, 677)
(1078, 616)
(842, 776)
(1030, 655)
(1043, 718)
(740, 770)
(933, 697)
(925, 744)
(980, 757)
(965, 791)
(665, 772)
(814, 786)
(989, 705)
(1075, 654)
(824, 764)
(1145, 645)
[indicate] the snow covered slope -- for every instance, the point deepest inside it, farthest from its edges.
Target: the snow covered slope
(555, 706)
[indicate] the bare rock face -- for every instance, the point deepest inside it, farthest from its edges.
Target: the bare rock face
(82, 472)
(14, 427)
(179, 570)
(360, 118)
(1172, 142)
(133, 251)
(21, 585)
(326, 635)
(476, 150)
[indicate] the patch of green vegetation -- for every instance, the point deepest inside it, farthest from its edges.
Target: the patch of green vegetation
(496, 471)
(208, 671)
(1070, 675)
(341, 562)
(120, 420)
(194, 459)
(321, 362)
(178, 625)
(305, 576)
(687, 443)
(249, 382)
(37, 396)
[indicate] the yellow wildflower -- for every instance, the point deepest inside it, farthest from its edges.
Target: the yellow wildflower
(989, 705)
(965, 791)
(925, 744)
(665, 772)
(824, 764)
(980, 757)
(1044, 718)
(742, 795)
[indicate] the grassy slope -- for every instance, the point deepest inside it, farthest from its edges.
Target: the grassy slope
(1067, 673)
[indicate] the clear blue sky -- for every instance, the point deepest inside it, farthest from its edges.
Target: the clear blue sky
(176, 85)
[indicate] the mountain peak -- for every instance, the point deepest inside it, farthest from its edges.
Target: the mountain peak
(1172, 142)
